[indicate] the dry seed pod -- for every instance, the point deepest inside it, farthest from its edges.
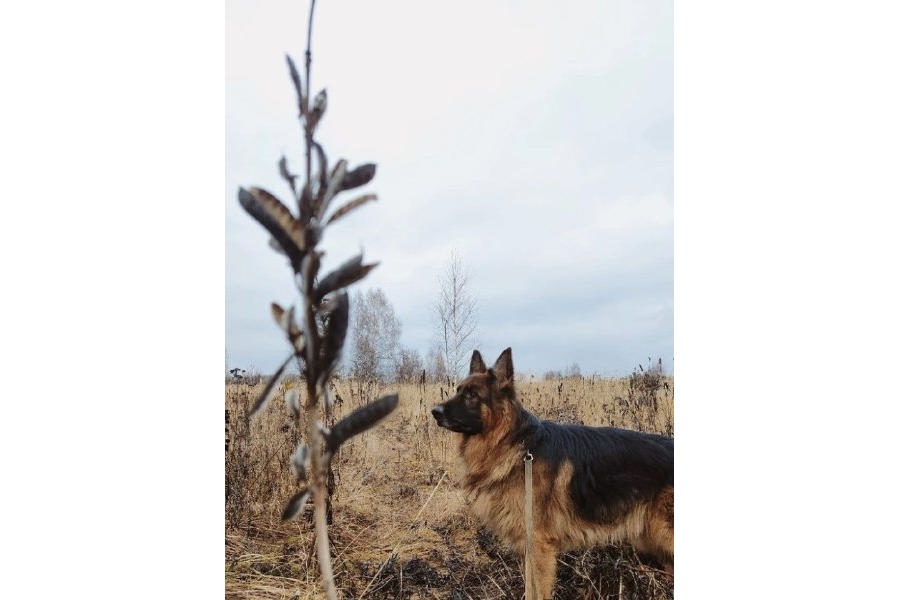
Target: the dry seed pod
(359, 420)
(278, 314)
(361, 175)
(294, 333)
(269, 391)
(336, 321)
(327, 305)
(287, 175)
(285, 320)
(292, 399)
(305, 204)
(320, 103)
(336, 324)
(323, 168)
(355, 203)
(349, 272)
(334, 186)
(295, 77)
(277, 219)
(295, 505)
(298, 342)
(298, 461)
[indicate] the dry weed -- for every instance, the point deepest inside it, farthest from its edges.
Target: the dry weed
(401, 528)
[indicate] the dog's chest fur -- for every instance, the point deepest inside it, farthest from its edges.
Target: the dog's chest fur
(494, 481)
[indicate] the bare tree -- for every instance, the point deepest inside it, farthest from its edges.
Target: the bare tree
(376, 336)
(573, 371)
(410, 366)
(456, 317)
(436, 367)
(552, 374)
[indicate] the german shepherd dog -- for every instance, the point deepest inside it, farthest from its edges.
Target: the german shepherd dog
(591, 485)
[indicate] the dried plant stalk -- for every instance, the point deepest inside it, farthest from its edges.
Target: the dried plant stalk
(317, 342)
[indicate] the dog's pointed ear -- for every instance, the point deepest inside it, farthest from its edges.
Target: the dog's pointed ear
(477, 363)
(504, 366)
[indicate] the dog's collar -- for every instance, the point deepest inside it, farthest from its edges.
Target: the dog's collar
(528, 431)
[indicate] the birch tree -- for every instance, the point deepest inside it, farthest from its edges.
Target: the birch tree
(456, 317)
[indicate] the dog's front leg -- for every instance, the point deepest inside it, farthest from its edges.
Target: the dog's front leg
(545, 568)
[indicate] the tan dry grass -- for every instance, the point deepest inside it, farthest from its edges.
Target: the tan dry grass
(401, 528)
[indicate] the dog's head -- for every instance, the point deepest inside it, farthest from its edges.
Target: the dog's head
(481, 399)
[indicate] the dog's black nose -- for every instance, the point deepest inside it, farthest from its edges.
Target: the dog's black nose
(437, 411)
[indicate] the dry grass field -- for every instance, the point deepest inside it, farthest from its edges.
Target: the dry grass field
(400, 526)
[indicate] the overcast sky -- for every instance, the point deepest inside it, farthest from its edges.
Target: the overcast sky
(534, 138)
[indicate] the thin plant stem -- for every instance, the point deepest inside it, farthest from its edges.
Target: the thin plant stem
(309, 133)
(319, 489)
(318, 486)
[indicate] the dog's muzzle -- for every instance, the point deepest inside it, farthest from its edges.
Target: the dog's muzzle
(438, 413)
(451, 422)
